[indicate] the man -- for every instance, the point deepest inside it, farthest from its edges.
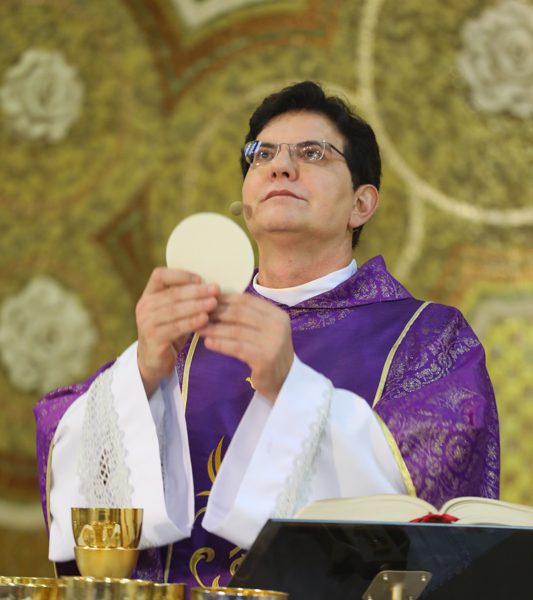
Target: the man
(322, 380)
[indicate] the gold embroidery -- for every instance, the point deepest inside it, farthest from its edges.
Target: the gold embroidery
(249, 380)
(48, 487)
(404, 471)
(237, 562)
(207, 554)
(215, 459)
(168, 560)
(390, 357)
(213, 466)
(187, 369)
(200, 511)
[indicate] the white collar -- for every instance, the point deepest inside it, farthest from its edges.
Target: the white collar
(294, 295)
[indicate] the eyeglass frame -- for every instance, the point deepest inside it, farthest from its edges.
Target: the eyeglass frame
(250, 149)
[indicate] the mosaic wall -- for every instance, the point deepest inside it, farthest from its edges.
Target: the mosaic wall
(119, 117)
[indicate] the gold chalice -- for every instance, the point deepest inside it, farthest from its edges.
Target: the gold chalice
(226, 593)
(32, 588)
(107, 527)
(168, 591)
(106, 562)
(107, 540)
(90, 588)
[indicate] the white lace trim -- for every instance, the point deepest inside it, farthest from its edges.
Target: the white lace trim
(102, 468)
(297, 491)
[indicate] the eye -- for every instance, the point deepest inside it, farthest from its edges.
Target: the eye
(264, 153)
(310, 151)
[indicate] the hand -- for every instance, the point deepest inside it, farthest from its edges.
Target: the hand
(256, 332)
(173, 305)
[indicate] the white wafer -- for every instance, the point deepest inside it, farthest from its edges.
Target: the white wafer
(213, 247)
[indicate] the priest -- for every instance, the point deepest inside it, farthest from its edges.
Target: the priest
(324, 379)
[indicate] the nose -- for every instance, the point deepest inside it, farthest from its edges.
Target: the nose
(283, 164)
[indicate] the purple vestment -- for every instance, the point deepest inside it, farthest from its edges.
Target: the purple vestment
(435, 398)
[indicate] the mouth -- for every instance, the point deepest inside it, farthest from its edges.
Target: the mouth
(275, 193)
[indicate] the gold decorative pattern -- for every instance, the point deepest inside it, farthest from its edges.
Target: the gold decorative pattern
(200, 555)
(367, 95)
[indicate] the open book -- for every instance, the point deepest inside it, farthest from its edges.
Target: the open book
(399, 508)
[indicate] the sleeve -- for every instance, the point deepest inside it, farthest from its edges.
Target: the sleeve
(439, 411)
(79, 445)
(314, 442)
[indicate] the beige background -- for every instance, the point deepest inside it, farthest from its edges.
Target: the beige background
(138, 121)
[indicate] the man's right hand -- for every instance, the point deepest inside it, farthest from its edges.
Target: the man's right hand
(174, 304)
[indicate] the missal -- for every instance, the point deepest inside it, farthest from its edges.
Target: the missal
(393, 508)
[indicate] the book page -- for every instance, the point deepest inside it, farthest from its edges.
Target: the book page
(381, 507)
(472, 510)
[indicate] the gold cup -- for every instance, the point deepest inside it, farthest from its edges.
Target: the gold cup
(168, 591)
(106, 562)
(90, 588)
(226, 593)
(32, 588)
(107, 527)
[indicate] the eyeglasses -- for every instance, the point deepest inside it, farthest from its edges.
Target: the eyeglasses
(259, 153)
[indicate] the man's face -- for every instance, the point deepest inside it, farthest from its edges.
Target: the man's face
(312, 201)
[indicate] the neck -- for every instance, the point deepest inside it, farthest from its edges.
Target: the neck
(284, 267)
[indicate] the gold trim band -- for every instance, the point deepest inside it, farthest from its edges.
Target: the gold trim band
(390, 357)
(404, 471)
(168, 560)
(187, 369)
(48, 487)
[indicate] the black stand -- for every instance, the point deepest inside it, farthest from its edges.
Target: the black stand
(330, 560)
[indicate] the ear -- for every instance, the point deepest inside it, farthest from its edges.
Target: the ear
(365, 204)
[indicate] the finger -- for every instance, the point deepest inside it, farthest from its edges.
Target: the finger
(242, 311)
(176, 294)
(175, 311)
(240, 349)
(167, 333)
(162, 277)
(256, 302)
(228, 331)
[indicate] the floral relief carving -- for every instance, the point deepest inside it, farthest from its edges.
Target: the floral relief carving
(496, 59)
(46, 336)
(41, 95)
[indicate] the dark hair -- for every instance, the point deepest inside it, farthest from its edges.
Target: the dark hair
(360, 148)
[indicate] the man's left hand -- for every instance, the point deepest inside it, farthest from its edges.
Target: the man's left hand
(256, 332)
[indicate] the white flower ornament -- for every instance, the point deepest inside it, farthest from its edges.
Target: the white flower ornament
(46, 336)
(497, 59)
(41, 95)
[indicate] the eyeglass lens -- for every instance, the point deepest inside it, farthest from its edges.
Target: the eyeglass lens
(258, 153)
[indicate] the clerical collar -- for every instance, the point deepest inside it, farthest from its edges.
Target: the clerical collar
(294, 295)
